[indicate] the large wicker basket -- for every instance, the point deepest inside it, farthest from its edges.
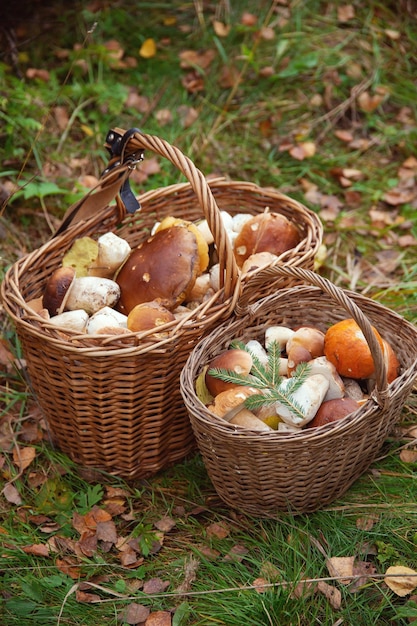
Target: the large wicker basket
(262, 473)
(114, 402)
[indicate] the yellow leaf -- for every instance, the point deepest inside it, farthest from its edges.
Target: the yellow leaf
(87, 130)
(401, 580)
(148, 48)
(23, 457)
(81, 255)
(341, 567)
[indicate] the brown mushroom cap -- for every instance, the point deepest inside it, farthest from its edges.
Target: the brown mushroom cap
(333, 410)
(267, 232)
(238, 361)
(57, 290)
(162, 268)
(148, 315)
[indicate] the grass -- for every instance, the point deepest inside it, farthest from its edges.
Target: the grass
(261, 97)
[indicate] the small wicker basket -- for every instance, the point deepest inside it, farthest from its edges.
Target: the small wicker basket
(114, 402)
(262, 473)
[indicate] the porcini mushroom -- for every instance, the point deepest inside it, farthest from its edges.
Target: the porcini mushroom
(148, 315)
(112, 252)
(346, 347)
(265, 232)
(57, 290)
(92, 293)
(333, 410)
(309, 397)
(235, 360)
(163, 268)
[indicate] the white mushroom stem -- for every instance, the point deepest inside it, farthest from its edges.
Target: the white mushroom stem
(256, 348)
(309, 398)
(112, 252)
(322, 366)
(92, 293)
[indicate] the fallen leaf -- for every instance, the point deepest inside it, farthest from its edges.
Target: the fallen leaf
(159, 618)
(267, 33)
(331, 593)
(236, 553)
(42, 75)
(394, 197)
(23, 457)
(69, 566)
(155, 585)
(261, 585)
(368, 102)
(248, 19)
(106, 531)
(134, 614)
(401, 580)
(345, 13)
(303, 150)
(408, 456)
(148, 49)
(11, 494)
(344, 135)
(341, 566)
(220, 530)
(165, 524)
(361, 569)
(191, 58)
(86, 598)
(6, 357)
(37, 549)
(366, 522)
(221, 29)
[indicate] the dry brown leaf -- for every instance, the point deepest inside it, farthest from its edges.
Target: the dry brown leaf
(401, 580)
(106, 531)
(408, 456)
(23, 457)
(221, 29)
(368, 102)
(208, 553)
(135, 614)
(219, 530)
(191, 58)
(86, 598)
(163, 117)
(366, 522)
(267, 33)
(159, 618)
(332, 594)
(341, 566)
(397, 196)
(37, 549)
(303, 150)
(6, 357)
(236, 553)
(344, 135)
(407, 240)
(345, 13)
(261, 585)
(155, 585)
(165, 524)
(69, 566)
(33, 72)
(11, 494)
(148, 49)
(248, 19)
(361, 569)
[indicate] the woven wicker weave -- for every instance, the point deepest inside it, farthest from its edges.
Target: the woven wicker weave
(113, 402)
(261, 473)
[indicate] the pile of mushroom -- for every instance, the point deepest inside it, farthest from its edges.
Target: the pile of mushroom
(339, 377)
(105, 287)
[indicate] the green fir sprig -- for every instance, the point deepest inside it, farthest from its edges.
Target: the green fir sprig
(265, 377)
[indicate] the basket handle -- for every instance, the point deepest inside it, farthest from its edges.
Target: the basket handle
(229, 271)
(341, 297)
